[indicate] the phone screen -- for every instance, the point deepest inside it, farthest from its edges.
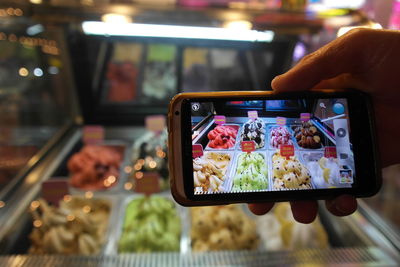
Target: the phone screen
(263, 145)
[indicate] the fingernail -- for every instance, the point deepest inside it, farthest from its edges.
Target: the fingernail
(343, 202)
(339, 208)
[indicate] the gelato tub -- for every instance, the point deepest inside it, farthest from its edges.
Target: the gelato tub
(254, 130)
(279, 135)
(150, 224)
(211, 171)
(97, 167)
(223, 137)
(78, 226)
(250, 172)
(289, 173)
(222, 228)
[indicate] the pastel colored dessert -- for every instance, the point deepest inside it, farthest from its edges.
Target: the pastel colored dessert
(251, 172)
(285, 233)
(94, 167)
(222, 137)
(151, 224)
(209, 171)
(289, 173)
(222, 228)
(324, 171)
(78, 226)
(280, 136)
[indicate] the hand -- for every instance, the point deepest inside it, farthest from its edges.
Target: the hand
(363, 59)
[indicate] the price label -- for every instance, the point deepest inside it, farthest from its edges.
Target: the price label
(280, 120)
(93, 134)
(248, 146)
(54, 190)
(148, 184)
(219, 119)
(287, 151)
(330, 152)
(305, 116)
(197, 150)
(155, 123)
(252, 114)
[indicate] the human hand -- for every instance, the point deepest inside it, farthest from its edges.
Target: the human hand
(363, 59)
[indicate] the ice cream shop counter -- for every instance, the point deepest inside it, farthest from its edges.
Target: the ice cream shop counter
(102, 216)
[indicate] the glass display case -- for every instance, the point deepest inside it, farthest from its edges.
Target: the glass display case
(76, 202)
(35, 103)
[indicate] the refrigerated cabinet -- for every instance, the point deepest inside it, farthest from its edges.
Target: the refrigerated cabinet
(363, 238)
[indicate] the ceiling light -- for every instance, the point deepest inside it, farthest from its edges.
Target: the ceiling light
(172, 31)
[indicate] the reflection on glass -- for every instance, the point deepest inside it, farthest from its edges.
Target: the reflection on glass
(122, 72)
(33, 101)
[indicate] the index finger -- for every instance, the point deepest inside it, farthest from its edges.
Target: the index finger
(343, 55)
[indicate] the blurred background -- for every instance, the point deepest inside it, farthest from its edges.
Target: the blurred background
(84, 90)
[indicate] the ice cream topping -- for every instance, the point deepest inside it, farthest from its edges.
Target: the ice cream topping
(254, 130)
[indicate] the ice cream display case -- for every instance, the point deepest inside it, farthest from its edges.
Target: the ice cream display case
(99, 196)
(246, 146)
(146, 72)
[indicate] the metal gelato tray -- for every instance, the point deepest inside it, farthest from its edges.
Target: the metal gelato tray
(238, 145)
(26, 223)
(234, 169)
(227, 174)
(298, 156)
(112, 247)
(274, 126)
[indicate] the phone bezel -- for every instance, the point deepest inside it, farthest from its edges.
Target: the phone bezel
(362, 137)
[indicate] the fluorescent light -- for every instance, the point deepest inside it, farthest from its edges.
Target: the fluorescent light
(172, 31)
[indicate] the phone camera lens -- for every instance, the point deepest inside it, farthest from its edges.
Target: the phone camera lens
(177, 113)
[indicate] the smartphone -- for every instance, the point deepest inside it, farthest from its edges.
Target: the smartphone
(232, 147)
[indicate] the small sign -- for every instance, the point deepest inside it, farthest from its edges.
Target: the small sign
(219, 119)
(155, 123)
(252, 114)
(305, 116)
(248, 146)
(330, 152)
(93, 134)
(280, 120)
(236, 102)
(197, 150)
(54, 190)
(287, 151)
(148, 184)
